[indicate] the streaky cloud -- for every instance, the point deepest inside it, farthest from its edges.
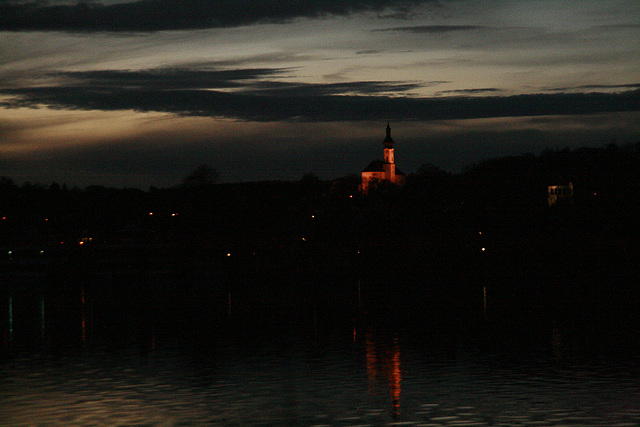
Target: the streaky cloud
(283, 89)
(312, 105)
(433, 29)
(470, 91)
(590, 87)
(171, 78)
(160, 15)
(254, 94)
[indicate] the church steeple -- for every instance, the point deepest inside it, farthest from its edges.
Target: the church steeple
(382, 171)
(388, 148)
(388, 141)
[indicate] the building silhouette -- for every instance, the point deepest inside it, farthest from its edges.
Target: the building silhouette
(382, 171)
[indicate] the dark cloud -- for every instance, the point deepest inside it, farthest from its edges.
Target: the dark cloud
(256, 96)
(250, 81)
(299, 90)
(592, 87)
(170, 78)
(251, 94)
(435, 29)
(158, 15)
(620, 27)
(470, 91)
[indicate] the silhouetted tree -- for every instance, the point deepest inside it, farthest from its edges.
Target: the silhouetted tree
(310, 177)
(7, 182)
(202, 176)
(429, 170)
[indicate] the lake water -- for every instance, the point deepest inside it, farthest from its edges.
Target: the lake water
(115, 352)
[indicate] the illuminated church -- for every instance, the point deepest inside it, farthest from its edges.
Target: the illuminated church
(385, 170)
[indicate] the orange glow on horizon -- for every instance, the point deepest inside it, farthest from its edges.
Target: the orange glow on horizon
(46, 129)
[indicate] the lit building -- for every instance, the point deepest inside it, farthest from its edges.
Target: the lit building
(382, 170)
(559, 193)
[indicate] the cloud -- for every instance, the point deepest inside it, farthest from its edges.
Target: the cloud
(170, 78)
(470, 91)
(605, 87)
(248, 81)
(159, 15)
(301, 90)
(253, 95)
(434, 29)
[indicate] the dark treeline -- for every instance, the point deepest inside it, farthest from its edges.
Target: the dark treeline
(442, 237)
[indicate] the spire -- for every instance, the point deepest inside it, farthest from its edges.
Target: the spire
(388, 141)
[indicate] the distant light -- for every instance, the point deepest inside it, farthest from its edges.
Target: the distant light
(81, 243)
(174, 214)
(304, 239)
(313, 216)
(480, 232)
(484, 249)
(351, 196)
(41, 252)
(150, 213)
(4, 217)
(46, 219)
(10, 253)
(595, 194)
(228, 254)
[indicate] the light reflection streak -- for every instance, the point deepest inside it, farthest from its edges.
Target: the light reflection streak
(42, 322)
(10, 318)
(395, 377)
(372, 362)
(383, 363)
(84, 316)
(484, 299)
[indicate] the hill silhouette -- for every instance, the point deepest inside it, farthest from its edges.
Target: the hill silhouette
(442, 236)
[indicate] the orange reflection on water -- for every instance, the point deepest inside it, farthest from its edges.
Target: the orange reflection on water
(372, 362)
(384, 366)
(395, 377)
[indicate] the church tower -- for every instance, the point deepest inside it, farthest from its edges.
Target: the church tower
(382, 170)
(389, 161)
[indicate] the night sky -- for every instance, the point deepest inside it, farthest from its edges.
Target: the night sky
(138, 93)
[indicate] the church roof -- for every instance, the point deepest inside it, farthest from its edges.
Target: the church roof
(375, 166)
(378, 166)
